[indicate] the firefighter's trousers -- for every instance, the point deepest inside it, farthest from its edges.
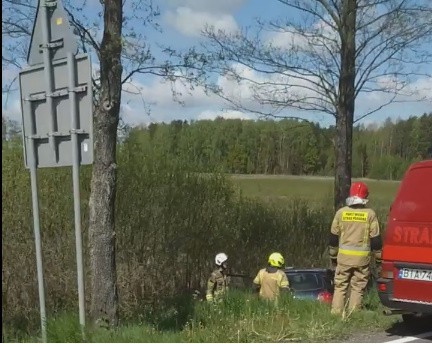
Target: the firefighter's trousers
(346, 276)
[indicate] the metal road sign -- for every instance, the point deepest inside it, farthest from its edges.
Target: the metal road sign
(57, 117)
(42, 126)
(56, 24)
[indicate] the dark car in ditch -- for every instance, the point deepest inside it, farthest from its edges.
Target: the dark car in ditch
(311, 283)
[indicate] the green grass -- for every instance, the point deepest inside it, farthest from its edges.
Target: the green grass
(316, 190)
(309, 188)
(241, 317)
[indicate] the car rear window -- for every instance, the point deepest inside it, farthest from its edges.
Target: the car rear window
(414, 199)
(305, 281)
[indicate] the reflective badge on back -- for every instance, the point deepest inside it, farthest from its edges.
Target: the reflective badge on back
(354, 216)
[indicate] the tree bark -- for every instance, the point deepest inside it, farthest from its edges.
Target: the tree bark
(104, 296)
(345, 108)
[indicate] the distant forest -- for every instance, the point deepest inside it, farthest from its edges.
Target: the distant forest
(284, 146)
(288, 146)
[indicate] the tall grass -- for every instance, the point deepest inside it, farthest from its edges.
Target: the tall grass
(241, 317)
(170, 222)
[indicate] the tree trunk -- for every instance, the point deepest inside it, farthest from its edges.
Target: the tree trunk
(104, 297)
(343, 160)
(345, 108)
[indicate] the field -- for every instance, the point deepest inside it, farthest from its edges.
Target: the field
(315, 190)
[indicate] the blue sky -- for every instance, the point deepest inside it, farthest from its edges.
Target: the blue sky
(181, 22)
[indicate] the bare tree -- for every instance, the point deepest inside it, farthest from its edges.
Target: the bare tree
(322, 61)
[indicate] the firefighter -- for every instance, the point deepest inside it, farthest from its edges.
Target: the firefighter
(271, 279)
(354, 235)
(217, 284)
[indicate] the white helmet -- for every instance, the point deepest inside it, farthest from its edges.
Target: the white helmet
(220, 259)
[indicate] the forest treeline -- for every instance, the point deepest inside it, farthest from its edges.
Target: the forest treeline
(281, 147)
(288, 146)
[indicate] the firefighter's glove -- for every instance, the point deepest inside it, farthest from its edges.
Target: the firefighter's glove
(333, 263)
(333, 252)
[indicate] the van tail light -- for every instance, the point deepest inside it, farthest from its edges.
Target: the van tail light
(325, 297)
(387, 269)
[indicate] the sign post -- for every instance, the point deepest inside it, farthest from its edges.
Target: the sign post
(57, 121)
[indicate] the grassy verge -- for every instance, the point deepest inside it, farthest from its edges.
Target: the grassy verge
(241, 317)
(306, 187)
(314, 190)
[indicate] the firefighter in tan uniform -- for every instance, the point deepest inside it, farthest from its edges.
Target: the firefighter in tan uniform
(354, 235)
(270, 280)
(217, 284)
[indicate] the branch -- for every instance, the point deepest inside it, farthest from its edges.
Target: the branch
(81, 28)
(315, 13)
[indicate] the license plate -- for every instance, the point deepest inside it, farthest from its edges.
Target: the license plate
(415, 274)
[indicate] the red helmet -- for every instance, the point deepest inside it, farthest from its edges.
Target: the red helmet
(359, 189)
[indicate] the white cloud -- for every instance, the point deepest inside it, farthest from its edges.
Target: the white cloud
(319, 34)
(11, 106)
(423, 87)
(208, 5)
(160, 93)
(191, 23)
(420, 89)
(286, 39)
(276, 87)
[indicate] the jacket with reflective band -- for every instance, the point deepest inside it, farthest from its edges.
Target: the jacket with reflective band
(217, 285)
(355, 227)
(270, 282)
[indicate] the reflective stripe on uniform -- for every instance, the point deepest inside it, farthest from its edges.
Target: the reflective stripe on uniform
(354, 253)
(354, 250)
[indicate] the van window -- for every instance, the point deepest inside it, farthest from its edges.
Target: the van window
(413, 202)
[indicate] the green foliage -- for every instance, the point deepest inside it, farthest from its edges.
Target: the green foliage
(289, 146)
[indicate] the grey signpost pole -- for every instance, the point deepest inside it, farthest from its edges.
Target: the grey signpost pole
(36, 228)
(57, 124)
(76, 185)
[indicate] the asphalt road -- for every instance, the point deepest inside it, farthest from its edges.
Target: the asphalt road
(398, 333)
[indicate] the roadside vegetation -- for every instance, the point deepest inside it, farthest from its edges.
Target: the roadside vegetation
(170, 223)
(241, 317)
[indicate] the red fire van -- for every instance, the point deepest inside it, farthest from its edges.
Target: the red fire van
(405, 285)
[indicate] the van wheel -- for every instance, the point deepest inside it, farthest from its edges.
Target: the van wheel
(417, 320)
